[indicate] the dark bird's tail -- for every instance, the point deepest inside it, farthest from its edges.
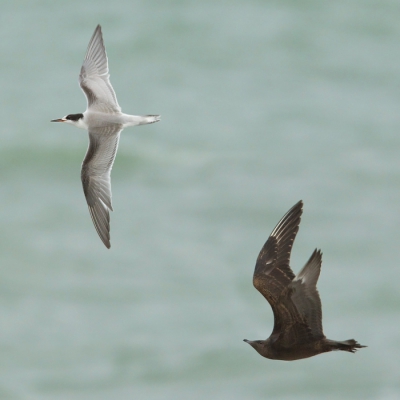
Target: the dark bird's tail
(350, 345)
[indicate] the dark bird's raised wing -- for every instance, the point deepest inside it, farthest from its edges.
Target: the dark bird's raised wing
(94, 77)
(305, 296)
(272, 273)
(96, 177)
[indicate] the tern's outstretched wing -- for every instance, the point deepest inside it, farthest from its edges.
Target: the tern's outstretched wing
(96, 177)
(94, 77)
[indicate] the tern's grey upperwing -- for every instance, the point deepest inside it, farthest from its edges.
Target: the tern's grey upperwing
(94, 77)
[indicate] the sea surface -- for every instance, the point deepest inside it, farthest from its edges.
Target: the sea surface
(263, 103)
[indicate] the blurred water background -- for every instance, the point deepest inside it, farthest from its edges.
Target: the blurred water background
(263, 103)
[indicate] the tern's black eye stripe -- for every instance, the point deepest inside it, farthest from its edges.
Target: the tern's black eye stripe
(74, 117)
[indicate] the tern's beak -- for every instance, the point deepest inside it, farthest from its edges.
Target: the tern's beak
(58, 120)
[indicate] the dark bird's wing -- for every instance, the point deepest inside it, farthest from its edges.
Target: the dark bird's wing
(272, 273)
(96, 179)
(94, 77)
(305, 296)
(299, 306)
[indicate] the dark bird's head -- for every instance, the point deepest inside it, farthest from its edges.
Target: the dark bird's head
(256, 344)
(74, 119)
(261, 347)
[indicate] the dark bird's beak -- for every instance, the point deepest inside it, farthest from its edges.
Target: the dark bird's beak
(58, 120)
(245, 340)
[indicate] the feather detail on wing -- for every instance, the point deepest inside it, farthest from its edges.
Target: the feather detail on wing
(305, 295)
(94, 77)
(96, 177)
(272, 272)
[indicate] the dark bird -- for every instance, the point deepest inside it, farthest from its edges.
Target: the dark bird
(104, 122)
(294, 299)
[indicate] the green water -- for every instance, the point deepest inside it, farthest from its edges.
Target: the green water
(263, 103)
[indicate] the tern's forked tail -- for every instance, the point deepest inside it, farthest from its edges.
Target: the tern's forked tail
(132, 120)
(149, 119)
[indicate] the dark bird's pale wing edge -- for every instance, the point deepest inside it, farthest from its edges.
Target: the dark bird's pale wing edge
(285, 233)
(265, 263)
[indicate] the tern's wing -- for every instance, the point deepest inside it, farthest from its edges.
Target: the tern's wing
(94, 77)
(96, 180)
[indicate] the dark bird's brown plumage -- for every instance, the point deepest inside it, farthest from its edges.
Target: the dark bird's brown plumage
(294, 299)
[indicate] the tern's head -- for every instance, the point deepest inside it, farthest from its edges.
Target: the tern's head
(74, 119)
